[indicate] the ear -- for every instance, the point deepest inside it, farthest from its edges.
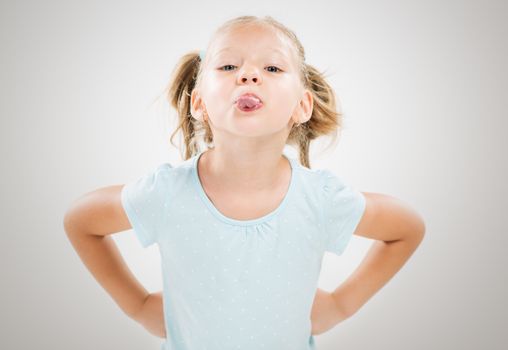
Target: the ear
(305, 107)
(196, 105)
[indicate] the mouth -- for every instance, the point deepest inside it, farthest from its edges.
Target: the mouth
(248, 102)
(245, 108)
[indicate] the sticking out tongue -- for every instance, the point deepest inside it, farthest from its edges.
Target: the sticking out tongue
(248, 102)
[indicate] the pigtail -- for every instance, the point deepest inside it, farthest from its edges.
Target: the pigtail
(183, 80)
(325, 119)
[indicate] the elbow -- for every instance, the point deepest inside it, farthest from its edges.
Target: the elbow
(417, 233)
(420, 228)
(67, 222)
(70, 220)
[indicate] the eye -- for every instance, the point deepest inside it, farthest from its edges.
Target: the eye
(227, 65)
(277, 68)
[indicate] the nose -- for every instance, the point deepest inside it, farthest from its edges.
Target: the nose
(249, 75)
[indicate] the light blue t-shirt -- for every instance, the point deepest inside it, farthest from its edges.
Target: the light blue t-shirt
(240, 284)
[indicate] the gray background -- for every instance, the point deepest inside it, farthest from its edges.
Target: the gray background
(423, 88)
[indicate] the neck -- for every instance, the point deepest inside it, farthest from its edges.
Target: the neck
(245, 169)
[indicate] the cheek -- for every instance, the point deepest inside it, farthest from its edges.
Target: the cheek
(217, 96)
(213, 90)
(218, 85)
(285, 102)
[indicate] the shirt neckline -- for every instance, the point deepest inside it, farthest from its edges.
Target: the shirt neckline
(236, 222)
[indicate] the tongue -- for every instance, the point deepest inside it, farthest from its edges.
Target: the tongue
(247, 102)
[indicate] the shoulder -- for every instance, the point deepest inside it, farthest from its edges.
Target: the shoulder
(320, 180)
(311, 178)
(153, 179)
(333, 190)
(322, 188)
(157, 173)
(166, 169)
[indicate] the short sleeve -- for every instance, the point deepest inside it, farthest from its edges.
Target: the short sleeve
(144, 200)
(343, 207)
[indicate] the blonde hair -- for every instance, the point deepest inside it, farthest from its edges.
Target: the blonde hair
(186, 76)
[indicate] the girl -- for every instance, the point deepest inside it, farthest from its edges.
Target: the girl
(241, 227)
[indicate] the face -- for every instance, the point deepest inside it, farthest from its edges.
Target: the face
(251, 59)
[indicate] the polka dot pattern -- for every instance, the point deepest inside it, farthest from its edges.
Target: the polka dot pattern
(229, 284)
(343, 207)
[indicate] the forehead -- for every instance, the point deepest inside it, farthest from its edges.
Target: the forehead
(252, 39)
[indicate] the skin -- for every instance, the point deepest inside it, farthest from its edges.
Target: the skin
(248, 147)
(397, 230)
(242, 144)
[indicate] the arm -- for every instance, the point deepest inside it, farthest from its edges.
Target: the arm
(88, 222)
(398, 230)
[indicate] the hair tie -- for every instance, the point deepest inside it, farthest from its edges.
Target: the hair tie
(202, 54)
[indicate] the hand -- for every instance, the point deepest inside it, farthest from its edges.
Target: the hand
(151, 315)
(325, 312)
